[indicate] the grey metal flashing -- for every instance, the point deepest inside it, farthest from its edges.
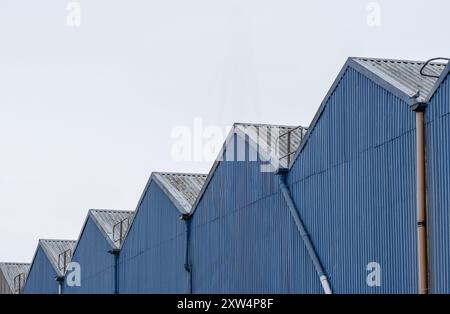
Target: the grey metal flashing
(392, 88)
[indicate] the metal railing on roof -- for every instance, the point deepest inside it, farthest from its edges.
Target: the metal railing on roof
(19, 282)
(64, 260)
(427, 63)
(289, 149)
(119, 230)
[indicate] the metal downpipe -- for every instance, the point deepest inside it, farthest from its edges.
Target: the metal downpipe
(305, 236)
(116, 253)
(116, 274)
(60, 281)
(422, 252)
(187, 264)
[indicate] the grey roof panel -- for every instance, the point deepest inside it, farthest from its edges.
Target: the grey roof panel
(11, 270)
(106, 219)
(404, 75)
(183, 188)
(274, 139)
(53, 248)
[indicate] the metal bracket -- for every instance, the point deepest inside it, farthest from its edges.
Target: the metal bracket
(185, 216)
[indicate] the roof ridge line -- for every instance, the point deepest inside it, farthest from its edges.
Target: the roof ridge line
(57, 240)
(111, 210)
(265, 124)
(399, 60)
(179, 173)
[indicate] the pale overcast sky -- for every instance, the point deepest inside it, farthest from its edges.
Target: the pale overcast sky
(86, 113)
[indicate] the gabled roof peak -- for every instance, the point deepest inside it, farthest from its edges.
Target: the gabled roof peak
(106, 219)
(181, 188)
(11, 270)
(404, 75)
(53, 248)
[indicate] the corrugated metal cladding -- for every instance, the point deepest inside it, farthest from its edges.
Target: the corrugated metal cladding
(9, 277)
(353, 180)
(152, 259)
(438, 183)
(243, 237)
(354, 185)
(97, 265)
(44, 268)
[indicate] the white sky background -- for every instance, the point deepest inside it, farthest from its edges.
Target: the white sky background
(87, 113)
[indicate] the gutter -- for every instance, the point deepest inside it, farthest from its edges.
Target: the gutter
(304, 234)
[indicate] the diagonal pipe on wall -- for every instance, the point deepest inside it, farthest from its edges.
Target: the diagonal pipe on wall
(304, 234)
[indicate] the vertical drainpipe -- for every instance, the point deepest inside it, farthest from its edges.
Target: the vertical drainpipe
(422, 237)
(187, 264)
(116, 253)
(60, 281)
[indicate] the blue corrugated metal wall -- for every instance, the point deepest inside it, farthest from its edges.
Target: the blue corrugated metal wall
(438, 187)
(41, 278)
(97, 265)
(243, 237)
(354, 185)
(153, 254)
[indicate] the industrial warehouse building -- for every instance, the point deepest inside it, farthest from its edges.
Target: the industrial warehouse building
(154, 255)
(46, 274)
(96, 252)
(329, 209)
